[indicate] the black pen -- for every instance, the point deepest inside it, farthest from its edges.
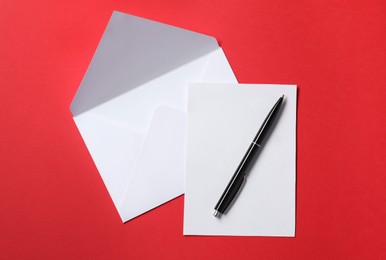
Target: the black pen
(238, 177)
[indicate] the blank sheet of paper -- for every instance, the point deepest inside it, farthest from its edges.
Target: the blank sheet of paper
(223, 119)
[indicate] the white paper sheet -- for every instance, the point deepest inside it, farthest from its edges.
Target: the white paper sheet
(223, 119)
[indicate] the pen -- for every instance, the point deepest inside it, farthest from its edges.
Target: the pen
(238, 177)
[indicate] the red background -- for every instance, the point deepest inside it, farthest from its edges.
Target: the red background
(53, 203)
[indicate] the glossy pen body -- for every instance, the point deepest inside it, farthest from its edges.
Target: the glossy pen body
(238, 177)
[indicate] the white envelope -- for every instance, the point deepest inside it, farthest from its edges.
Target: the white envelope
(131, 107)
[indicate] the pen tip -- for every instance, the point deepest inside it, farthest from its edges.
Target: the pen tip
(216, 213)
(282, 96)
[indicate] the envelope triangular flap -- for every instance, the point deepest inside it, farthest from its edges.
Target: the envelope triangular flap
(132, 52)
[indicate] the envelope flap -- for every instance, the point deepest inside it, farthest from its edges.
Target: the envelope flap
(132, 52)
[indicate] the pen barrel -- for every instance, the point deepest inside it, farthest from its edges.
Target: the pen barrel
(268, 122)
(237, 180)
(238, 177)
